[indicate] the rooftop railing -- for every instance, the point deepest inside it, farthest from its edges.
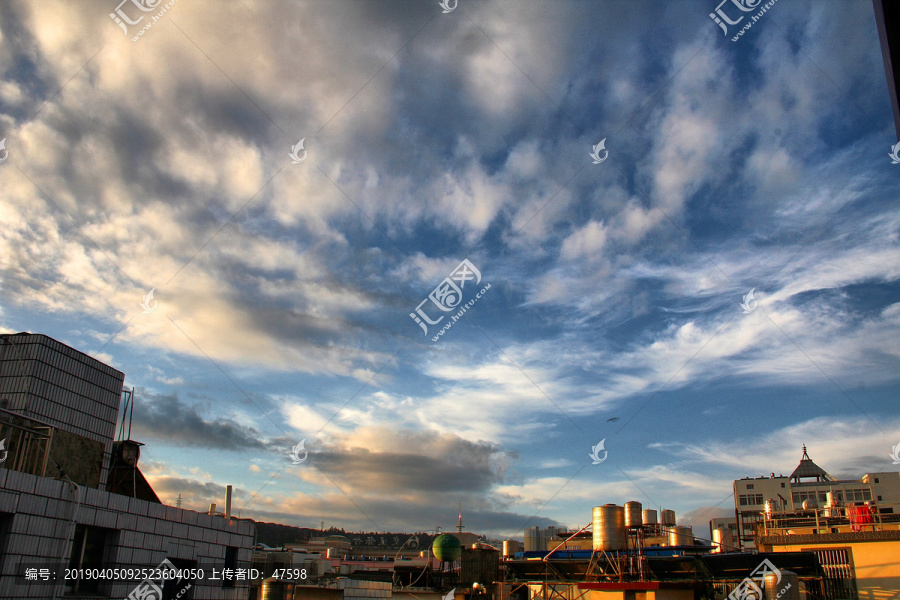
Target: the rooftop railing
(26, 443)
(849, 517)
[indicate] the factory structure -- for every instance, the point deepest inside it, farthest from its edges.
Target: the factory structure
(809, 486)
(626, 552)
(72, 496)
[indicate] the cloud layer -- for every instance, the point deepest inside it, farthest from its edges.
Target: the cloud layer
(284, 290)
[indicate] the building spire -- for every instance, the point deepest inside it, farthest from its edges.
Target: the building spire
(459, 525)
(807, 469)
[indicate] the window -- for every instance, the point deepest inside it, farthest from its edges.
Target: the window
(749, 486)
(876, 480)
(879, 498)
(837, 563)
(230, 563)
(782, 485)
(750, 499)
(799, 497)
(862, 495)
(5, 526)
(180, 589)
(88, 552)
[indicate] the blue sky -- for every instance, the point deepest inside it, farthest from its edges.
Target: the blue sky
(284, 291)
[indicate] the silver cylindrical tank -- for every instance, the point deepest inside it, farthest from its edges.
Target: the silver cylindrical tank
(633, 518)
(510, 547)
(681, 536)
(831, 506)
(609, 527)
(648, 516)
(788, 587)
(810, 504)
(723, 539)
(273, 589)
(770, 508)
(667, 518)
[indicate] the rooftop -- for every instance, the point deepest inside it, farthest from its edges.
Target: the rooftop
(808, 469)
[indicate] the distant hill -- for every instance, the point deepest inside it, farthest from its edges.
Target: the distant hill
(276, 535)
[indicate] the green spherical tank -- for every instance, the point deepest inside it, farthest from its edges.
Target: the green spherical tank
(446, 547)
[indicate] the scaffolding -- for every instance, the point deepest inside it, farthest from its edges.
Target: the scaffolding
(25, 443)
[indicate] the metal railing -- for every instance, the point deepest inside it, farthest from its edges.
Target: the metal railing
(26, 443)
(855, 516)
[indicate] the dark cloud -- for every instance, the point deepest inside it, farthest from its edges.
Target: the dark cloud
(391, 471)
(195, 491)
(423, 463)
(167, 418)
(699, 518)
(399, 515)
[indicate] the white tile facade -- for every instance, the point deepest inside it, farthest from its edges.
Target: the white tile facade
(40, 513)
(71, 391)
(63, 387)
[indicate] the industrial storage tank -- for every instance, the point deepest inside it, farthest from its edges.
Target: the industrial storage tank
(446, 547)
(681, 536)
(723, 539)
(609, 527)
(810, 504)
(667, 518)
(770, 508)
(633, 519)
(275, 589)
(511, 547)
(788, 587)
(648, 516)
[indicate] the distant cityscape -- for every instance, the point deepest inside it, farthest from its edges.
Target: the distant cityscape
(73, 493)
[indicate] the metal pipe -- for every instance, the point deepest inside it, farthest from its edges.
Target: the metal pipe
(566, 540)
(228, 490)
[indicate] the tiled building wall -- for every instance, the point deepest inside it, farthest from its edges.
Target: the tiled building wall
(62, 387)
(357, 589)
(36, 522)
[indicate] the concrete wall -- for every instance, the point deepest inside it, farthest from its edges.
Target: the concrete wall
(39, 514)
(888, 486)
(641, 595)
(875, 564)
(80, 458)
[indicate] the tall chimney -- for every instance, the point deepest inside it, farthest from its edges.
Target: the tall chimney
(228, 489)
(212, 509)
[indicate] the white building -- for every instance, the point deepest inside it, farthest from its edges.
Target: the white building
(810, 482)
(538, 539)
(726, 522)
(65, 487)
